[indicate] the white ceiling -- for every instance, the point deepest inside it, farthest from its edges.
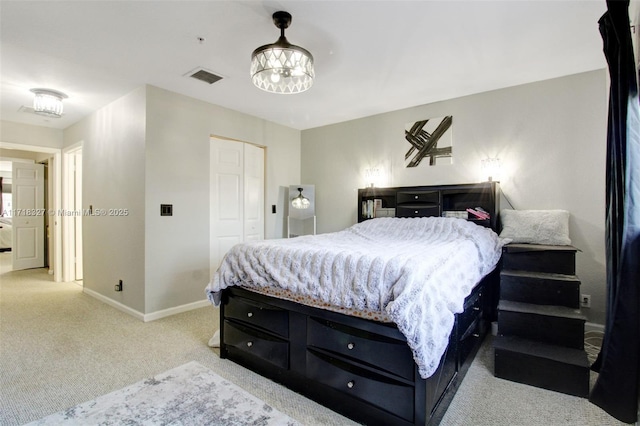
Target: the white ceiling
(371, 56)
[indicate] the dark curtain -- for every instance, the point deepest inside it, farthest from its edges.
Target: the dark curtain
(616, 389)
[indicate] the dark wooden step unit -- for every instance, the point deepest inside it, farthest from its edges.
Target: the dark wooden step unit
(540, 326)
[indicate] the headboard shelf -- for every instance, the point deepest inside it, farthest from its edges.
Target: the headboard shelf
(438, 200)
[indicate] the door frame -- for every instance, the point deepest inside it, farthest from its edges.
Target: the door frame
(68, 205)
(57, 200)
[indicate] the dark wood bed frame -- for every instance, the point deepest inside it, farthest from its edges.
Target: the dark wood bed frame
(362, 368)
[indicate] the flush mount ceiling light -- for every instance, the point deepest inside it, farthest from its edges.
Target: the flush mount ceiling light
(300, 201)
(48, 102)
(282, 67)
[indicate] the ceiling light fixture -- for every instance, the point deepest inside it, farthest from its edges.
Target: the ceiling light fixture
(48, 102)
(282, 67)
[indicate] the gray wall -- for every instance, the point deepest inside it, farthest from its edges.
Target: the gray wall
(550, 137)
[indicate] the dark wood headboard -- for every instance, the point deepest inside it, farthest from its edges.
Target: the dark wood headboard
(439, 200)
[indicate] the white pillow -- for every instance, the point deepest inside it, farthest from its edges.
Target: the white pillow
(549, 227)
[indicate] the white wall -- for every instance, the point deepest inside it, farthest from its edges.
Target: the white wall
(550, 136)
(177, 172)
(26, 134)
(113, 163)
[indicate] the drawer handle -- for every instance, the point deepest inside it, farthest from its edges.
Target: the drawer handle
(250, 314)
(249, 344)
(416, 212)
(415, 197)
(351, 384)
(475, 335)
(351, 346)
(476, 308)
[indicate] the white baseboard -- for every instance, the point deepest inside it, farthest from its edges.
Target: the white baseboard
(119, 306)
(152, 316)
(176, 310)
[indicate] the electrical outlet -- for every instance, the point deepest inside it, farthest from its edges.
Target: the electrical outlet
(585, 300)
(118, 287)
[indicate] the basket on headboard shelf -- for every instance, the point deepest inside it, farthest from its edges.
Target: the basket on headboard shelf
(460, 214)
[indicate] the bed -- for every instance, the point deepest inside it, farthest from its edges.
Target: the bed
(379, 321)
(6, 234)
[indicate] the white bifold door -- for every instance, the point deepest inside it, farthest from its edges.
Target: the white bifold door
(237, 196)
(28, 215)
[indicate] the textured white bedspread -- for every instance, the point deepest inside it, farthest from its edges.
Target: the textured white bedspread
(417, 270)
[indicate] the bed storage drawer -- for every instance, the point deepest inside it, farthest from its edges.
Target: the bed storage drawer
(414, 197)
(469, 340)
(472, 310)
(380, 391)
(417, 203)
(384, 353)
(258, 314)
(417, 211)
(256, 343)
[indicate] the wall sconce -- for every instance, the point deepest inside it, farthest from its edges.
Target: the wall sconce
(373, 176)
(48, 102)
(490, 168)
(300, 201)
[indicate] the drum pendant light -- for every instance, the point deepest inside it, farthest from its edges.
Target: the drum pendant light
(282, 67)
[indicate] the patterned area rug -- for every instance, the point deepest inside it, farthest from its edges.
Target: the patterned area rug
(187, 395)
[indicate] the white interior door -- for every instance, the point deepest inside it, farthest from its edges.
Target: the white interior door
(227, 181)
(28, 218)
(237, 196)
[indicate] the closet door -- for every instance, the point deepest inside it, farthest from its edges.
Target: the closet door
(253, 192)
(237, 196)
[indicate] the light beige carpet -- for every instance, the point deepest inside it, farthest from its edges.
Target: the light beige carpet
(60, 347)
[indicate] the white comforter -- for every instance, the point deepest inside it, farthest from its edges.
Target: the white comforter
(418, 270)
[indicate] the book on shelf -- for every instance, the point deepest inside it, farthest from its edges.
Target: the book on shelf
(478, 213)
(368, 210)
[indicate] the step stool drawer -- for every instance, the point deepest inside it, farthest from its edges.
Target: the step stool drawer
(540, 288)
(542, 372)
(567, 332)
(535, 258)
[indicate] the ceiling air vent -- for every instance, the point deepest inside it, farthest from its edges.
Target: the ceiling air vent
(30, 110)
(204, 75)
(27, 109)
